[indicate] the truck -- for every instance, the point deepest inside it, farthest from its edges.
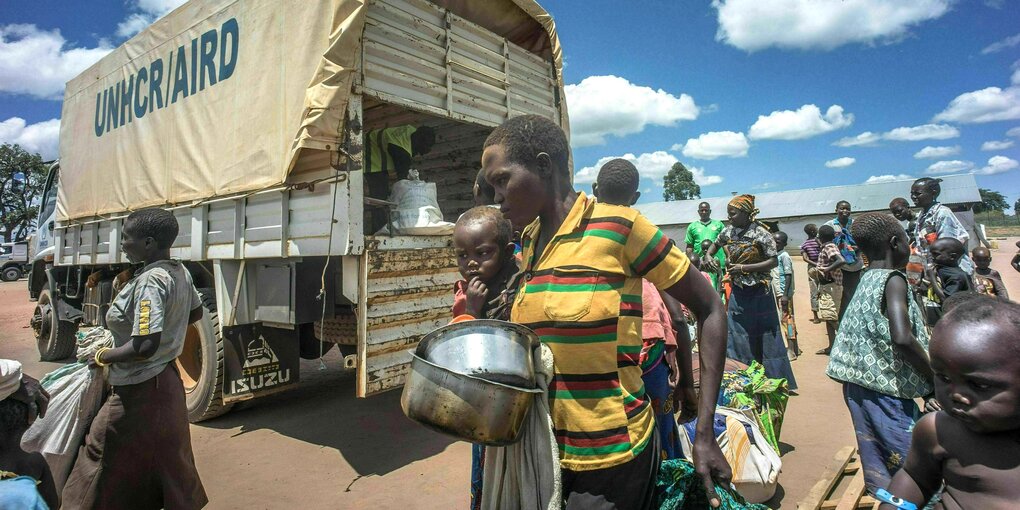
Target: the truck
(247, 120)
(13, 261)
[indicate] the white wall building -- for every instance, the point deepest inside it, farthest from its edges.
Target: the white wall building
(792, 210)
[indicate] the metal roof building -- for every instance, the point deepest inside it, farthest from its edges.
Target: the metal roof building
(796, 208)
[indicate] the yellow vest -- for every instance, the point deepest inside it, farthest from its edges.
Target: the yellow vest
(377, 142)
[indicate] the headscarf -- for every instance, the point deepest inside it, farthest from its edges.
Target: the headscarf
(10, 377)
(745, 203)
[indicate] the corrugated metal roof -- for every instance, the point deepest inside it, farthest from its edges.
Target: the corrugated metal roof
(956, 189)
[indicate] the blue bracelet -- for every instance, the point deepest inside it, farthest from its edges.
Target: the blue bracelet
(885, 497)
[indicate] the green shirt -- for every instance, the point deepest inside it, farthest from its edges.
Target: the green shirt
(698, 232)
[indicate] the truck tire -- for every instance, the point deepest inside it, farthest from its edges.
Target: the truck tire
(310, 347)
(201, 364)
(54, 337)
(10, 274)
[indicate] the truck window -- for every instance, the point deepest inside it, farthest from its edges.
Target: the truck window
(49, 200)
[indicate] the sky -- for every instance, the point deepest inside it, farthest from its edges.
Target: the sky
(750, 95)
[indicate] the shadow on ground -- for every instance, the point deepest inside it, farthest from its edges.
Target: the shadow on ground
(372, 434)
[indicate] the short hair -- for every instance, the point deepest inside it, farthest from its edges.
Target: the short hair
(524, 137)
(975, 308)
(159, 224)
(709, 241)
(618, 180)
(704, 203)
(951, 243)
(13, 416)
(425, 134)
(872, 231)
(485, 214)
(899, 201)
(782, 235)
(827, 231)
(486, 193)
(811, 227)
(930, 183)
(982, 250)
(841, 202)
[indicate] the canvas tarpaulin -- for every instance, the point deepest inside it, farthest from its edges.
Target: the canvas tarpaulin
(220, 97)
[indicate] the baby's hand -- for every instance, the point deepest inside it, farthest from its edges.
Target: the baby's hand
(477, 292)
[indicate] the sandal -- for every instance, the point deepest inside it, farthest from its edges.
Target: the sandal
(824, 352)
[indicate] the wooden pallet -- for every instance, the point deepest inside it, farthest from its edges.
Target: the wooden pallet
(841, 486)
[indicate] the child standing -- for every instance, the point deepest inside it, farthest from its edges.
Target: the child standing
(809, 252)
(881, 356)
(782, 288)
(972, 444)
(830, 283)
(25, 478)
(988, 281)
(483, 243)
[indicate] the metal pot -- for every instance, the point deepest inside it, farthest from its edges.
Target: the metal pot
(464, 406)
(493, 350)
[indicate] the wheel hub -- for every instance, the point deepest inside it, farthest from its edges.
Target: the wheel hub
(42, 319)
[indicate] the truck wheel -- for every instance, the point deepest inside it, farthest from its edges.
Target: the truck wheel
(310, 347)
(10, 274)
(201, 364)
(54, 337)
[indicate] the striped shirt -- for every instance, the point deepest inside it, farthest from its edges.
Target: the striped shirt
(583, 299)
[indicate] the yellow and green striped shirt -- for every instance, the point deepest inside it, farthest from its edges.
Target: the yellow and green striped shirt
(583, 299)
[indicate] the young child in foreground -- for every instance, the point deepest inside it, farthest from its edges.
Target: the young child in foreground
(880, 354)
(483, 244)
(972, 445)
(830, 283)
(25, 478)
(988, 281)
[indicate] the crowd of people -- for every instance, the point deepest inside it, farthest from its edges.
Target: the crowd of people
(908, 313)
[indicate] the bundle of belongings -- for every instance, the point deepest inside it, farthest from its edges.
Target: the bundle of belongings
(748, 421)
(77, 391)
(417, 211)
(680, 488)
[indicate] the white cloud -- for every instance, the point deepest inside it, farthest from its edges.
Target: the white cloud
(997, 165)
(600, 106)
(38, 62)
(923, 132)
(715, 144)
(753, 25)
(40, 137)
(840, 163)
(1015, 132)
(948, 167)
(887, 178)
(865, 139)
(996, 145)
(985, 105)
(651, 165)
(806, 122)
(930, 152)
(148, 11)
(1008, 42)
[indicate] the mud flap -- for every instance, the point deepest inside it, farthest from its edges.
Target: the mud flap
(258, 361)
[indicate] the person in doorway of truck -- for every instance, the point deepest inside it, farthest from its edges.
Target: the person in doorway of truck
(809, 252)
(830, 283)
(881, 355)
(137, 453)
(484, 248)
(583, 265)
(782, 289)
(900, 209)
(388, 155)
(987, 280)
(25, 479)
(754, 332)
(936, 221)
(853, 262)
(705, 229)
(669, 385)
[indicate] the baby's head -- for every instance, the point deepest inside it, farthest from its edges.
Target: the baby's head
(981, 256)
(975, 353)
(880, 237)
(617, 183)
(947, 251)
(695, 261)
(706, 244)
(14, 418)
(483, 241)
(826, 234)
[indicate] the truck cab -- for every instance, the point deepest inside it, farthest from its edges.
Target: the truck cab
(13, 261)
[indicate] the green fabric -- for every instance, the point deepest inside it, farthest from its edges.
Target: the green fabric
(750, 389)
(680, 488)
(378, 141)
(697, 232)
(863, 352)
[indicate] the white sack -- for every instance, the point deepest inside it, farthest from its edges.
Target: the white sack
(417, 211)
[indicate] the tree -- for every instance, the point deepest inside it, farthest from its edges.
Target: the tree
(22, 176)
(991, 201)
(679, 184)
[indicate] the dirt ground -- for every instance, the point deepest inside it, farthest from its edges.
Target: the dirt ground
(320, 447)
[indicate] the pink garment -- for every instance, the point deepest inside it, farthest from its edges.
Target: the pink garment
(657, 324)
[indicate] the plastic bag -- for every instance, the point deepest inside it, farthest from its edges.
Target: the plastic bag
(680, 488)
(754, 463)
(417, 211)
(751, 390)
(76, 394)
